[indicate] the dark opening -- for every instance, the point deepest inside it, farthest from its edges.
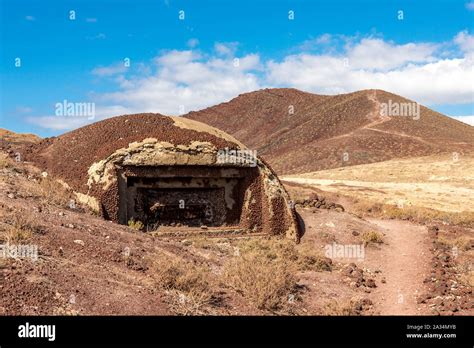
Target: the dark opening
(181, 195)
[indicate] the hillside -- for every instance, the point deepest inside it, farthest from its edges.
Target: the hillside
(302, 132)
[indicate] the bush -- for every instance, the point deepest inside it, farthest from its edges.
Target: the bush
(20, 229)
(190, 287)
(136, 224)
(266, 283)
(371, 237)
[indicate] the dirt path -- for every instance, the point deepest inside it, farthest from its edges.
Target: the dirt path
(376, 119)
(404, 261)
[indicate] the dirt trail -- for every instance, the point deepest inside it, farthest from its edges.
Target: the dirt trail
(404, 261)
(376, 119)
(375, 116)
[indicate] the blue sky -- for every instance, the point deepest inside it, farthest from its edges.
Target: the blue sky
(223, 48)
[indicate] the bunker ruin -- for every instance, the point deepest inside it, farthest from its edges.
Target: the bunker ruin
(169, 171)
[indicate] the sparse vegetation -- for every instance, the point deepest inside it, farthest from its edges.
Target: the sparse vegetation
(371, 237)
(335, 308)
(19, 229)
(417, 214)
(266, 283)
(53, 193)
(462, 243)
(136, 224)
(190, 287)
(5, 161)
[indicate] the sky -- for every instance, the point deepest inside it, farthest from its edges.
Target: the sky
(172, 57)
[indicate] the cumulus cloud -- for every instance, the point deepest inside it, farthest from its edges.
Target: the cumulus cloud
(465, 41)
(411, 70)
(185, 81)
(110, 70)
(226, 48)
(179, 81)
(376, 54)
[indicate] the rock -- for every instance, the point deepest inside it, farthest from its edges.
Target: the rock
(355, 233)
(61, 213)
(80, 242)
(70, 225)
(383, 281)
(370, 283)
(203, 227)
(11, 196)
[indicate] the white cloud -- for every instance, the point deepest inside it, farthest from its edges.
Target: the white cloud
(411, 70)
(376, 54)
(185, 81)
(226, 48)
(57, 122)
(30, 18)
(465, 41)
(470, 5)
(110, 70)
(179, 81)
(465, 119)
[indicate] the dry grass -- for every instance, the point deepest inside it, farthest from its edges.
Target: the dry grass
(417, 214)
(136, 224)
(267, 284)
(371, 237)
(427, 187)
(20, 229)
(462, 243)
(5, 161)
(334, 308)
(53, 193)
(265, 272)
(190, 288)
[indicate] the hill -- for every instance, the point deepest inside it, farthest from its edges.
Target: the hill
(299, 132)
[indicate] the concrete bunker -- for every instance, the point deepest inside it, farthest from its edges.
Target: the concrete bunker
(182, 195)
(169, 171)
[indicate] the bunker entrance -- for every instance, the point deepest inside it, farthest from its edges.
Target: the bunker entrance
(181, 195)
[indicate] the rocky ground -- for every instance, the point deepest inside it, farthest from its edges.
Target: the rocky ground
(90, 266)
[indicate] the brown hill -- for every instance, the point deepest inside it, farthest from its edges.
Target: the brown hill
(301, 132)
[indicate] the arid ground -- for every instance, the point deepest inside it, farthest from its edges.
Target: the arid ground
(386, 206)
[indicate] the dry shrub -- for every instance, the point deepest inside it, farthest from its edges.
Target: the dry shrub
(266, 283)
(265, 272)
(136, 224)
(418, 214)
(335, 308)
(190, 287)
(52, 192)
(20, 229)
(462, 243)
(5, 161)
(371, 237)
